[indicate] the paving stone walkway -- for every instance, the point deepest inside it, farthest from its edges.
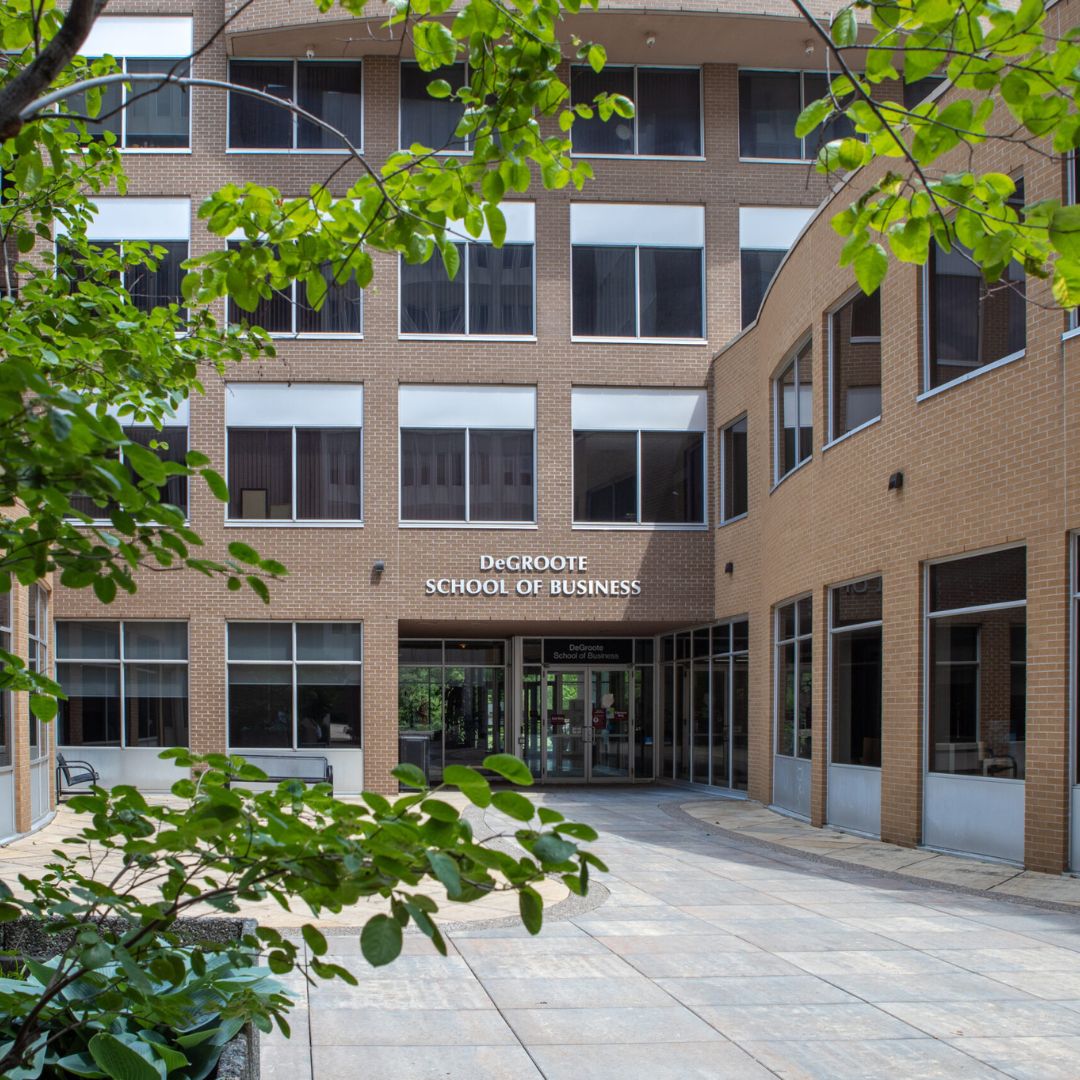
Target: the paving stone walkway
(715, 956)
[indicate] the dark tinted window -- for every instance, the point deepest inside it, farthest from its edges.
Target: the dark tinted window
(426, 120)
(596, 136)
(998, 577)
(430, 302)
(500, 289)
(733, 450)
(328, 474)
(794, 413)
(605, 476)
(757, 268)
(332, 92)
(432, 475)
(921, 89)
(672, 482)
(769, 105)
(671, 292)
(256, 124)
(500, 475)
(160, 119)
(158, 286)
(260, 473)
(604, 292)
(175, 488)
(855, 341)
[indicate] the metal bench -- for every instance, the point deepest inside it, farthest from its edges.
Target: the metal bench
(72, 773)
(278, 767)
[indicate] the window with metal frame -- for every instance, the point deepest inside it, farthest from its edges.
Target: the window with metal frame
(426, 120)
(734, 471)
(126, 683)
(971, 323)
(638, 271)
(730, 705)
(855, 636)
(667, 115)
(976, 664)
(331, 90)
(793, 629)
(854, 364)
(793, 418)
(295, 685)
(467, 454)
(295, 452)
(287, 313)
(6, 697)
(37, 634)
(769, 105)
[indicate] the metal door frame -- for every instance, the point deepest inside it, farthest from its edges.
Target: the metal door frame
(588, 738)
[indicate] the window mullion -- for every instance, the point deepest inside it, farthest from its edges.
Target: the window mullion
(123, 102)
(637, 291)
(639, 477)
(636, 150)
(465, 258)
(295, 695)
(468, 485)
(121, 652)
(294, 474)
(295, 95)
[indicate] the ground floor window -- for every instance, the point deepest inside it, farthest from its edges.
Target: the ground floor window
(705, 705)
(126, 683)
(794, 678)
(451, 703)
(37, 634)
(855, 691)
(5, 696)
(977, 664)
(295, 685)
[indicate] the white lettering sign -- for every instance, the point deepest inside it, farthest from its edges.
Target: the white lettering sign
(533, 586)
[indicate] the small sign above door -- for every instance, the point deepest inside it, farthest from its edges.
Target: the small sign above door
(588, 650)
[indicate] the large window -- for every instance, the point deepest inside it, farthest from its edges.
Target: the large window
(295, 685)
(639, 456)
(793, 412)
(667, 116)
(977, 664)
(152, 45)
(730, 701)
(855, 364)
(451, 703)
(294, 451)
(794, 678)
(287, 312)
(638, 271)
(769, 106)
(327, 89)
(6, 699)
(855, 691)
(428, 121)
(733, 471)
(37, 648)
(170, 443)
(971, 323)
(492, 294)
(467, 454)
(126, 683)
(765, 235)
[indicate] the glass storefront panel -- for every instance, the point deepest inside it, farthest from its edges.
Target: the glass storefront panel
(643, 723)
(610, 724)
(740, 722)
(700, 722)
(720, 731)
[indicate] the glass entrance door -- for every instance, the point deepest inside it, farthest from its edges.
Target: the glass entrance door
(611, 727)
(567, 738)
(588, 724)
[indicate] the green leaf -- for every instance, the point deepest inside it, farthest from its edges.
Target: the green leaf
(550, 848)
(44, 708)
(845, 28)
(409, 775)
(380, 940)
(871, 265)
(216, 484)
(513, 805)
(597, 57)
(121, 1062)
(244, 552)
(496, 224)
(105, 589)
(1065, 231)
(509, 768)
(910, 242)
(531, 907)
(812, 116)
(472, 785)
(439, 88)
(314, 938)
(446, 870)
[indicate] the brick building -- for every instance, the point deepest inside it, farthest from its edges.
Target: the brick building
(586, 503)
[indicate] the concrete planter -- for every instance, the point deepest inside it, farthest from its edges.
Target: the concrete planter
(240, 1057)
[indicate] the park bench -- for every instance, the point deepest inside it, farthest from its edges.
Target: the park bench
(70, 773)
(278, 767)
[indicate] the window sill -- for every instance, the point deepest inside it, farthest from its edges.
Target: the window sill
(288, 150)
(642, 157)
(156, 150)
(105, 523)
(617, 526)
(732, 520)
(286, 523)
(486, 525)
(330, 335)
(968, 376)
(775, 161)
(1070, 334)
(974, 776)
(437, 153)
(524, 339)
(787, 476)
(638, 341)
(847, 434)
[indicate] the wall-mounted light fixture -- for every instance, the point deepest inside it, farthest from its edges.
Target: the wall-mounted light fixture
(896, 481)
(729, 568)
(379, 567)
(650, 39)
